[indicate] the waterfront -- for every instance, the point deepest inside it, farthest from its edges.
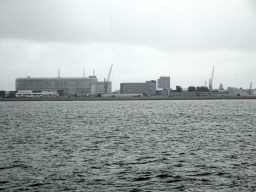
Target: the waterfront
(114, 98)
(114, 145)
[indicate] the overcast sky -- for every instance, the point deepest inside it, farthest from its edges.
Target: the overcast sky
(143, 39)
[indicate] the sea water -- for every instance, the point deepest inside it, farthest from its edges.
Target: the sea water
(128, 145)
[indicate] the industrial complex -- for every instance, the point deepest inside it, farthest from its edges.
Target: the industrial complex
(62, 86)
(91, 87)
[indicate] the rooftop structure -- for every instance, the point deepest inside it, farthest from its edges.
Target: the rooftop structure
(221, 87)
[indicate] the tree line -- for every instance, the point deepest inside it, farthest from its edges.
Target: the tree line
(194, 89)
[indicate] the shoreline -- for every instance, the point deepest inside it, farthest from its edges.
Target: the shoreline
(127, 98)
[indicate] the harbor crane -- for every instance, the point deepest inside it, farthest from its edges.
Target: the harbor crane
(250, 89)
(211, 80)
(107, 80)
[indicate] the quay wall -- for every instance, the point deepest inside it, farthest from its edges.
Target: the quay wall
(125, 98)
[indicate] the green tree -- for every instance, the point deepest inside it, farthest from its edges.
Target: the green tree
(191, 89)
(203, 89)
(178, 89)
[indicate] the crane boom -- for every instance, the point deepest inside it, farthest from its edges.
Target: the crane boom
(109, 72)
(106, 81)
(211, 80)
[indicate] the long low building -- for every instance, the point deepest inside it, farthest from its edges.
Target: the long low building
(148, 87)
(202, 94)
(30, 93)
(79, 86)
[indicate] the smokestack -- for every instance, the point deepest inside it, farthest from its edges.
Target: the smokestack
(84, 73)
(59, 73)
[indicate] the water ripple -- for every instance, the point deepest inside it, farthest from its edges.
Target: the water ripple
(128, 146)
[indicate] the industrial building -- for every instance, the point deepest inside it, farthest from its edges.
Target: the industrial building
(148, 87)
(239, 92)
(10, 94)
(2, 94)
(30, 93)
(163, 82)
(79, 86)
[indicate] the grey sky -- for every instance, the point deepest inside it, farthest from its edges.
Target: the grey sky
(143, 39)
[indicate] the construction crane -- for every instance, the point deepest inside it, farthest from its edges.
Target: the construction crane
(250, 90)
(211, 80)
(107, 80)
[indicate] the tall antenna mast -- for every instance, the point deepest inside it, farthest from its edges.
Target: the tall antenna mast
(59, 73)
(83, 73)
(93, 73)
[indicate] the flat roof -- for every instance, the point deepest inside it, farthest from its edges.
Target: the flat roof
(56, 77)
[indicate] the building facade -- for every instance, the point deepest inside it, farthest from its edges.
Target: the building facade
(2, 94)
(148, 87)
(163, 82)
(79, 86)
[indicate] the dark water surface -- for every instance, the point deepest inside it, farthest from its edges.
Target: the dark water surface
(128, 146)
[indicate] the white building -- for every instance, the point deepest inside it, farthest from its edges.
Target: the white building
(236, 91)
(30, 93)
(163, 82)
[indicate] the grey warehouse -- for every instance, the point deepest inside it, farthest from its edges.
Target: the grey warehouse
(79, 86)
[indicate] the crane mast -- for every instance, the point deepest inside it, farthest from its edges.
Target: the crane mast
(250, 90)
(211, 80)
(107, 80)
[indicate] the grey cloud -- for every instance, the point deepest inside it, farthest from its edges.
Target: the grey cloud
(224, 27)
